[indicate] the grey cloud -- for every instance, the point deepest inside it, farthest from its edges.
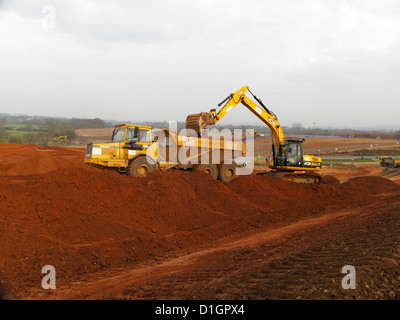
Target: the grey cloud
(164, 59)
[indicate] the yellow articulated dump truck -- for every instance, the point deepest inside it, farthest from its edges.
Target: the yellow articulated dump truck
(139, 150)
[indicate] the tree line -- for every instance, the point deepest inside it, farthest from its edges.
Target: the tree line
(42, 130)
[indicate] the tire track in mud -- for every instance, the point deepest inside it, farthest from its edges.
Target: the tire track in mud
(261, 266)
(392, 174)
(309, 269)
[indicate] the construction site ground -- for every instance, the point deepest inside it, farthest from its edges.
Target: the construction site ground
(181, 235)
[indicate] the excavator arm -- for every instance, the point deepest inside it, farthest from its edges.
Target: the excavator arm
(200, 121)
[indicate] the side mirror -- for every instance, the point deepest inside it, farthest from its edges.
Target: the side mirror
(155, 139)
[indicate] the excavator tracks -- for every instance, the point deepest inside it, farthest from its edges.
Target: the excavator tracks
(306, 178)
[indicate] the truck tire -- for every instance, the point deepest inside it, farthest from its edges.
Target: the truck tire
(140, 168)
(210, 169)
(227, 172)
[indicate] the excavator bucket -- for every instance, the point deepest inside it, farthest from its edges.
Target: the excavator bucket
(198, 121)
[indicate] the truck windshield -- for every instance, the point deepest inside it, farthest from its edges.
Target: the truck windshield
(132, 134)
(118, 135)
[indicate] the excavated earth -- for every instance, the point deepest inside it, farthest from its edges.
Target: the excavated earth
(182, 235)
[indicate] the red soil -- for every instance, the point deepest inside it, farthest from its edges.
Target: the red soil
(54, 210)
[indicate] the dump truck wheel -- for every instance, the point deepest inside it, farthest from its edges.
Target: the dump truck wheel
(227, 172)
(140, 168)
(210, 169)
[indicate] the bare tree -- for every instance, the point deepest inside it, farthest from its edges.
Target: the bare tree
(297, 127)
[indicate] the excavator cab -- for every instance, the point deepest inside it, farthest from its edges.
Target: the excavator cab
(294, 154)
(290, 154)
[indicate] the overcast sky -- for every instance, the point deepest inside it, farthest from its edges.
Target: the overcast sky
(335, 63)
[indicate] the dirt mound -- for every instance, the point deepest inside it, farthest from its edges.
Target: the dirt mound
(371, 185)
(20, 159)
(331, 180)
(57, 211)
(39, 163)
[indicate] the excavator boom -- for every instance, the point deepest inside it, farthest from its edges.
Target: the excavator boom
(200, 121)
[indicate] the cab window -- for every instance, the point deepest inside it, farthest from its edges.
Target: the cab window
(118, 135)
(131, 134)
(293, 153)
(144, 135)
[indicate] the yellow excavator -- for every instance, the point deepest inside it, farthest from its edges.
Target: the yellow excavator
(60, 139)
(287, 161)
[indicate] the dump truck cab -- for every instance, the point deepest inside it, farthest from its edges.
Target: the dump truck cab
(132, 135)
(127, 142)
